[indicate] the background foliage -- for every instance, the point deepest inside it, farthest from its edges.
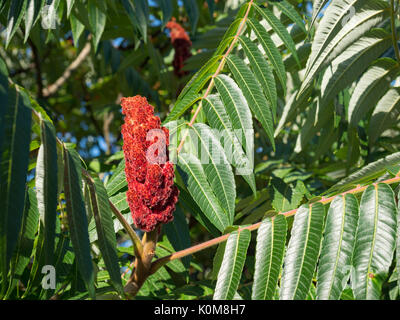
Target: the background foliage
(318, 84)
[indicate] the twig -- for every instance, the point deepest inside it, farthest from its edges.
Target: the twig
(22, 70)
(127, 269)
(51, 89)
(59, 292)
(137, 245)
(107, 119)
(135, 239)
(36, 59)
(216, 73)
(93, 118)
(183, 253)
(142, 263)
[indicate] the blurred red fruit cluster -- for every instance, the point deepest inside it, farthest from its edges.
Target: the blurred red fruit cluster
(181, 43)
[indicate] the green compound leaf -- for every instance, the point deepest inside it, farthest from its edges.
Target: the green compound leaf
(302, 253)
(46, 186)
(251, 89)
(232, 265)
(105, 231)
(337, 247)
(201, 191)
(77, 220)
(15, 124)
(375, 241)
(271, 239)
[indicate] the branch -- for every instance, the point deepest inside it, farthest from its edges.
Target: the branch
(51, 89)
(36, 59)
(143, 265)
(94, 121)
(107, 119)
(137, 245)
(216, 73)
(183, 253)
(22, 70)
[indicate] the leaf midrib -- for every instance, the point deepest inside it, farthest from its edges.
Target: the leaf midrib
(200, 186)
(329, 50)
(309, 217)
(331, 27)
(386, 114)
(278, 63)
(339, 247)
(355, 60)
(261, 114)
(232, 137)
(270, 259)
(376, 213)
(234, 263)
(233, 102)
(216, 170)
(360, 101)
(257, 65)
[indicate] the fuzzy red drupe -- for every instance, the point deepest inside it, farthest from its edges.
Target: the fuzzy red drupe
(151, 193)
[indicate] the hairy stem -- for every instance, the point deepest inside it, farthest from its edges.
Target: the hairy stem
(143, 263)
(216, 73)
(183, 253)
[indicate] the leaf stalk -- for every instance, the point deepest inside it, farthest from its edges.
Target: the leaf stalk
(183, 253)
(216, 73)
